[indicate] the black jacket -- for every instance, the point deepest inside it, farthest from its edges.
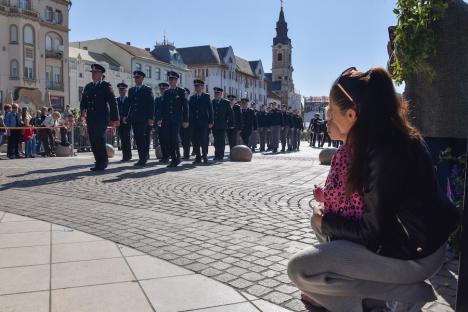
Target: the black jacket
(200, 110)
(249, 120)
(99, 103)
(275, 118)
(237, 121)
(406, 214)
(141, 104)
(263, 120)
(175, 108)
(315, 124)
(223, 115)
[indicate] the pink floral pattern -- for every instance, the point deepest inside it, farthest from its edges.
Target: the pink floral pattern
(335, 199)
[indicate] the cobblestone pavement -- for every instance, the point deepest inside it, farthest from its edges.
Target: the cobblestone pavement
(237, 223)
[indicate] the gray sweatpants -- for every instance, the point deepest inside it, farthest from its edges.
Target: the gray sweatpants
(340, 274)
(275, 136)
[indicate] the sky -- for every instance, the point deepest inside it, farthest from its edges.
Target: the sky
(327, 36)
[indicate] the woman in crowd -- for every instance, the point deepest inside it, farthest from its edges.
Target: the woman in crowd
(382, 259)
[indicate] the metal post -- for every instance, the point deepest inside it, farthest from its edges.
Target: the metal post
(462, 289)
(73, 138)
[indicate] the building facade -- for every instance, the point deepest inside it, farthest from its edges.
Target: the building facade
(80, 61)
(280, 80)
(132, 58)
(220, 67)
(34, 53)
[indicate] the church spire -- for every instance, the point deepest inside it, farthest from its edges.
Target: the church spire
(281, 29)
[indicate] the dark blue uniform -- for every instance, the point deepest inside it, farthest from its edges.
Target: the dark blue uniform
(124, 129)
(141, 110)
(158, 104)
(200, 116)
(172, 114)
(98, 101)
(235, 127)
(249, 122)
(223, 119)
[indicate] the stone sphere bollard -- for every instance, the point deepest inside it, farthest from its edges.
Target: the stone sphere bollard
(158, 152)
(326, 155)
(110, 151)
(63, 151)
(241, 153)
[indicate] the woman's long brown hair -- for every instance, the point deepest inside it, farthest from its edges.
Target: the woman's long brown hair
(382, 116)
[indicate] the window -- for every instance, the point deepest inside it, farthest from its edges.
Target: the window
(58, 75)
(180, 78)
(206, 89)
(49, 14)
(57, 103)
(28, 35)
(49, 76)
(207, 72)
(80, 93)
(29, 69)
(14, 69)
(148, 71)
(58, 17)
(80, 75)
(13, 34)
(280, 57)
(25, 4)
(53, 42)
(158, 73)
(138, 66)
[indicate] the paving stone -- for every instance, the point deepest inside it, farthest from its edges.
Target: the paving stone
(258, 290)
(277, 297)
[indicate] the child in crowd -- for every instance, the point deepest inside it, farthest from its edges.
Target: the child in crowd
(28, 137)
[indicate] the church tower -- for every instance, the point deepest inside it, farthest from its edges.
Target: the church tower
(282, 69)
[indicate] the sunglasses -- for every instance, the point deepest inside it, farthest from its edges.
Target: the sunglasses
(345, 73)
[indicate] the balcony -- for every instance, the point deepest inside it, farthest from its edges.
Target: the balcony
(53, 85)
(24, 9)
(57, 54)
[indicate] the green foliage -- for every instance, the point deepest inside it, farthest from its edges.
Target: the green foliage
(415, 38)
(76, 112)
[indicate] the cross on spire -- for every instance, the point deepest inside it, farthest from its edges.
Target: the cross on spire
(281, 3)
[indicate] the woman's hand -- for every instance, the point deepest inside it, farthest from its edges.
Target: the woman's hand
(317, 219)
(318, 194)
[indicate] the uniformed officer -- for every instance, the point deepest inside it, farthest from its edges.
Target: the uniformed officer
(248, 121)
(158, 104)
(292, 129)
(174, 113)
(284, 129)
(98, 106)
(262, 119)
(141, 115)
(185, 133)
(276, 122)
(234, 129)
(124, 129)
(223, 119)
(315, 127)
(254, 138)
(201, 120)
(300, 128)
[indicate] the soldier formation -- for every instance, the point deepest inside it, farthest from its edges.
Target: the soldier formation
(175, 114)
